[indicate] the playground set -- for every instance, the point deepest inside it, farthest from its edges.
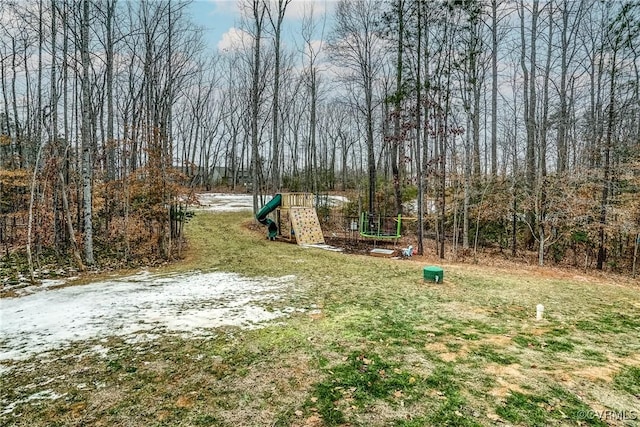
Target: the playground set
(293, 217)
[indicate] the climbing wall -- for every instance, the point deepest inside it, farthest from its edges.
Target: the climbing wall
(306, 226)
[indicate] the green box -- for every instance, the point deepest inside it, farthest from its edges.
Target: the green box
(433, 274)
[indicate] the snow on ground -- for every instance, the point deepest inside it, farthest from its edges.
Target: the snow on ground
(143, 303)
(41, 395)
(44, 318)
(220, 202)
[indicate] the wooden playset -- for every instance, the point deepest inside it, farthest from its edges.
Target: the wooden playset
(295, 218)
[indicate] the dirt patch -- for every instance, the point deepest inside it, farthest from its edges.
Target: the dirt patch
(507, 377)
(505, 388)
(466, 311)
(596, 373)
(445, 352)
(359, 246)
(512, 371)
(312, 421)
(497, 340)
(186, 401)
(451, 357)
(592, 374)
(436, 347)
(537, 331)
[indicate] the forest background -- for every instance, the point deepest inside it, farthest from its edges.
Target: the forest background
(503, 124)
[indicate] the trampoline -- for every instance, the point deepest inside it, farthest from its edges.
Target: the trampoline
(379, 227)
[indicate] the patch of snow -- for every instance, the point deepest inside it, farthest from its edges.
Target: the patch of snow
(49, 283)
(337, 200)
(100, 350)
(221, 202)
(138, 307)
(24, 287)
(41, 395)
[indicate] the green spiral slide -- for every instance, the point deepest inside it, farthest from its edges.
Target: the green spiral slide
(272, 227)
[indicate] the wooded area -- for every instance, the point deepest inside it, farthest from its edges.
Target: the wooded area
(515, 124)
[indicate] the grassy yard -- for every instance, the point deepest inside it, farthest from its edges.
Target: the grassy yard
(375, 346)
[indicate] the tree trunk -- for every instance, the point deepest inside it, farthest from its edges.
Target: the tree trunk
(399, 96)
(541, 244)
(312, 167)
(371, 156)
(635, 255)
(607, 164)
(275, 143)
(53, 129)
(38, 116)
(467, 196)
(563, 119)
(419, 155)
(494, 88)
(258, 15)
(18, 135)
(69, 222)
(529, 92)
(87, 140)
(111, 149)
(7, 123)
(30, 221)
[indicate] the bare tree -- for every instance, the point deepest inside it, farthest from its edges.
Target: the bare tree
(622, 32)
(87, 137)
(356, 45)
(311, 77)
(257, 10)
(276, 17)
(418, 119)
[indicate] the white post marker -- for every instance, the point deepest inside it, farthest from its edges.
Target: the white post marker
(539, 311)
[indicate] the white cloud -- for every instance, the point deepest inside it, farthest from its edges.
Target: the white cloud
(298, 8)
(235, 39)
(225, 6)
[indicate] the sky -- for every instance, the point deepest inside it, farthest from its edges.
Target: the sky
(216, 18)
(221, 19)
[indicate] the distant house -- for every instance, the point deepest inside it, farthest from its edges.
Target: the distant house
(222, 175)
